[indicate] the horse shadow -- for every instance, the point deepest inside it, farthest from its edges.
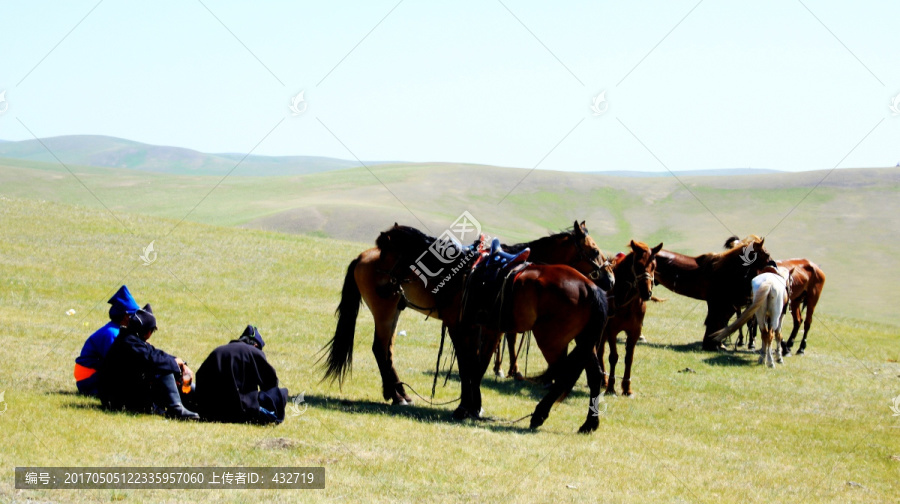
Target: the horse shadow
(695, 347)
(728, 359)
(429, 414)
(533, 389)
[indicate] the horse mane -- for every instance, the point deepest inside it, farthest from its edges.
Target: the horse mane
(550, 239)
(716, 260)
(406, 235)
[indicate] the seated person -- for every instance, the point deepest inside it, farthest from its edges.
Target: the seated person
(237, 384)
(96, 346)
(138, 377)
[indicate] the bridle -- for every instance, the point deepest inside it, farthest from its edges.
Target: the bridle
(632, 286)
(595, 257)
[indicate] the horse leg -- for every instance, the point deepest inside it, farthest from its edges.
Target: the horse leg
(511, 341)
(600, 350)
(464, 362)
(498, 359)
(595, 383)
(767, 346)
(613, 359)
(752, 327)
(778, 345)
(811, 301)
(797, 317)
(630, 343)
(569, 371)
(740, 341)
(383, 348)
(716, 318)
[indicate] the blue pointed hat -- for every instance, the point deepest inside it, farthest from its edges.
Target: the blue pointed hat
(122, 302)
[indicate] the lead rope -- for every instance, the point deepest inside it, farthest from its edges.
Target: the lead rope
(437, 365)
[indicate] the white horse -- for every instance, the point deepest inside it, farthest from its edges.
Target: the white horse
(771, 293)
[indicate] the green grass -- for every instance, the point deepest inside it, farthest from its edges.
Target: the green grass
(730, 432)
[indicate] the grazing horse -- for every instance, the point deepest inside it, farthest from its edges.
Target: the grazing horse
(375, 280)
(771, 293)
(634, 287)
(544, 299)
(721, 279)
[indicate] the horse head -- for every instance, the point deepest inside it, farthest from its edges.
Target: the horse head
(589, 259)
(640, 267)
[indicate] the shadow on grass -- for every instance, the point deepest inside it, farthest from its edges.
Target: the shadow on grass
(696, 346)
(508, 386)
(431, 414)
(729, 359)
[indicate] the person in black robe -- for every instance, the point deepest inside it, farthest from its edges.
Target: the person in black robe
(237, 384)
(138, 377)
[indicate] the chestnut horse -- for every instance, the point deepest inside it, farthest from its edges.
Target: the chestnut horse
(808, 280)
(634, 275)
(634, 287)
(374, 280)
(548, 300)
(721, 279)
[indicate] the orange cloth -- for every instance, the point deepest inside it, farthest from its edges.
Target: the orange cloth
(83, 373)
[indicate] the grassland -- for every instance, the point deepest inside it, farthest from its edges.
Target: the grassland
(817, 429)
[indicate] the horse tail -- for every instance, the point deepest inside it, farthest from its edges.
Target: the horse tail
(759, 299)
(586, 342)
(339, 360)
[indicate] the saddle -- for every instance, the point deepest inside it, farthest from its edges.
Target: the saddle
(488, 285)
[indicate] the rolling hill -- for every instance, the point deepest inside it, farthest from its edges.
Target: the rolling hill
(844, 220)
(111, 152)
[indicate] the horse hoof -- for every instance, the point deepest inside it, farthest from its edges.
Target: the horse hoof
(589, 425)
(518, 376)
(627, 393)
(400, 402)
(499, 374)
(801, 352)
(536, 421)
(610, 392)
(460, 413)
(751, 346)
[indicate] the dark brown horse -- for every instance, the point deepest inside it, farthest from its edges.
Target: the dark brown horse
(721, 279)
(634, 287)
(374, 279)
(555, 249)
(634, 275)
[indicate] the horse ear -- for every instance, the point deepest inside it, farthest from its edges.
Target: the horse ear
(655, 250)
(637, 250)
(579, 232)
(584, 227)
(762, 241)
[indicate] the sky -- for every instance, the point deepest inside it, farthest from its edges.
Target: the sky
(688, 85)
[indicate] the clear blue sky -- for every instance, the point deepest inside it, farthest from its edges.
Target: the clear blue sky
(763, 84)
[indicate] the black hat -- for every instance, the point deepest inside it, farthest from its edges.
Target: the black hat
(251, 335)
(143, 319)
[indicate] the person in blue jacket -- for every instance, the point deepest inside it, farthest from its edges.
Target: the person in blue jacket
(98, 344)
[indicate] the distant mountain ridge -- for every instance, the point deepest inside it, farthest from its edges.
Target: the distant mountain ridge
(722, 172)
(112, 152)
